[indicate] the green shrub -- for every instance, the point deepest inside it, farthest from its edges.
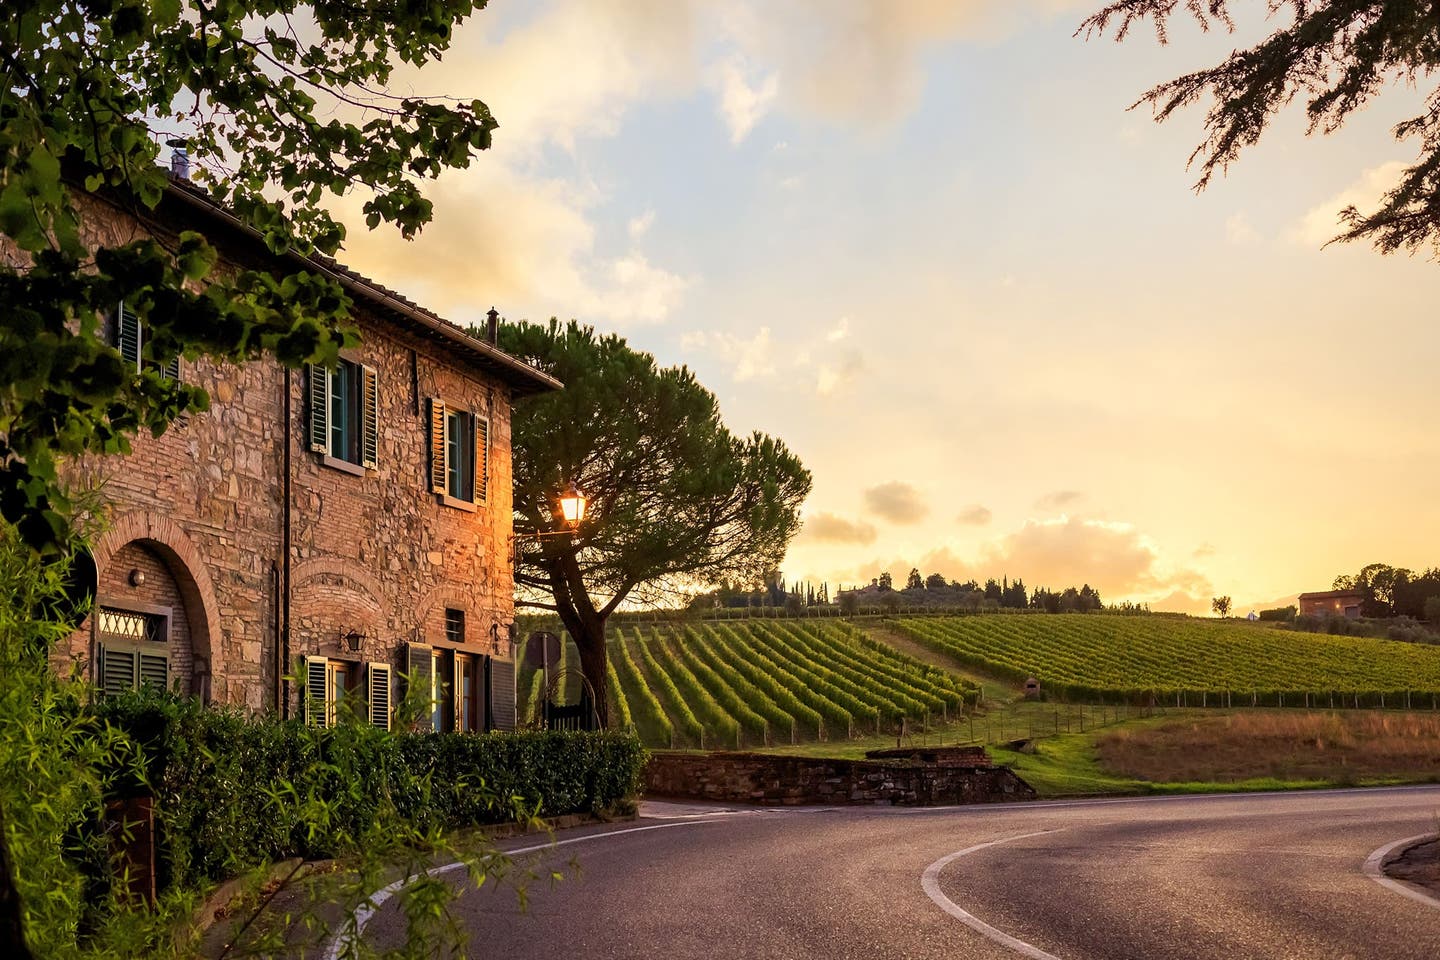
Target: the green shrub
(1280, 614)
(233, 792)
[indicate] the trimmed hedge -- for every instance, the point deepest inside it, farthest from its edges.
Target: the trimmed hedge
(233, 792)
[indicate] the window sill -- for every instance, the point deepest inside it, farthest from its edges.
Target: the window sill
(344, 466)
(458, 504)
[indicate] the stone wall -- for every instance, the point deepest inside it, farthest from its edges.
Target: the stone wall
(774, 780)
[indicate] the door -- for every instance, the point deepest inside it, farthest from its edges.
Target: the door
(467, 672)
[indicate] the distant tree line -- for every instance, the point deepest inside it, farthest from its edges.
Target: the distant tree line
(1395, 591)
(919, 591)
(1002, 594)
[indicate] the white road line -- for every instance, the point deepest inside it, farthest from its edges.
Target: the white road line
(1375, 869)
(365, 912)
(930, 883)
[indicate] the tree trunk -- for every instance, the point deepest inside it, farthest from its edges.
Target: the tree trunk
(586, 627)
(12, 928)
(591, 643)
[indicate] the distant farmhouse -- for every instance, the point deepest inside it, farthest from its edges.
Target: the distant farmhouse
(1345, 603)
(346, 526)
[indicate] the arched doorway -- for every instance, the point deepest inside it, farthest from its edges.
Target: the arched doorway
(146, 630)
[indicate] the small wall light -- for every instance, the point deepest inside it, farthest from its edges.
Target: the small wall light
(351, 641)
(137, 578)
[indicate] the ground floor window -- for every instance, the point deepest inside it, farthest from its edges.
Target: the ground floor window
(133, 650)
(339, 690)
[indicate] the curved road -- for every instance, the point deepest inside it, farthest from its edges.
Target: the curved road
(1226, 877)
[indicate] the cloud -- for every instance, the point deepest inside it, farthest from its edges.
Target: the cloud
(1239, 231)
(839, 332)
(1057, 499)
(639, 226)
(741, 103)
(897, 502)
(829, 528)
(1322, 222)
(831, 376)
(1203, 551)
(974, 516)
(752, 358)
(519, 225)
(861, 62)
(520, 240)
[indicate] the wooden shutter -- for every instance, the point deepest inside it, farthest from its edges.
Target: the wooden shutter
(437, 445)
(154, 668)
(457, 692)
(127, 334)
(315, 706)
(117, 669)
(172, 369)
(502, 693)
(369, 418)
(419, 678)
(480, 479)
(318, 382)
(378, 690)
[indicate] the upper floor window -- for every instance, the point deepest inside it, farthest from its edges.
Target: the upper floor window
(129, 338)
(454, 625)
(459, 454)
(344, 413)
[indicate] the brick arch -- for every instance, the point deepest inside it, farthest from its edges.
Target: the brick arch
(479, 612)
(321, 611)
(173, 545)
(310, 569)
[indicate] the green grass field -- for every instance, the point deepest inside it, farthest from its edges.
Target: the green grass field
(1187, 662)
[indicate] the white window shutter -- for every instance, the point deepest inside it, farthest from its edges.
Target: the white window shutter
(318, 381)
(378, 676)
(315, 706)
(437, 445)
(127, 335)
(481, 480)
(369, 418)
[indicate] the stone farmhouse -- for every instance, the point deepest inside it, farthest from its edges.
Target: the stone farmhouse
(347, 528)
(1337, 603)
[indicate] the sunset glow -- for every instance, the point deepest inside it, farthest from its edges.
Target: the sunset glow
(926, 245)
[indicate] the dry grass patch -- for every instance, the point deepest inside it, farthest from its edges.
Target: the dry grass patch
(1340, 747)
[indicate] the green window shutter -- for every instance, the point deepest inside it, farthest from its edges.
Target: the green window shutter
(117, 669)
(369, 418)
(172, 369)
(502, 694)
(378, 682)
(437, 445)
(318, 380)
(480, 480)
(315, 692)
(155, 668)
(127, 334)
(419, 674)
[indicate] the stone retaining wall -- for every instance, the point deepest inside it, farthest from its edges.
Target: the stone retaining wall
(774, 780)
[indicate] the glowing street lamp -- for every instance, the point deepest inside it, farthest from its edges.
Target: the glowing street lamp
(572, 509)
(572, 505)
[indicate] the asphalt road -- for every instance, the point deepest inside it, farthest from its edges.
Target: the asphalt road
(1262, 876)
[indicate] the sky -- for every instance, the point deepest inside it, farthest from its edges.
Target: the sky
(926, 244)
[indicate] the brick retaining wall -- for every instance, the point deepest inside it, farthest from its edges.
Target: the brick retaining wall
(773, 780)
